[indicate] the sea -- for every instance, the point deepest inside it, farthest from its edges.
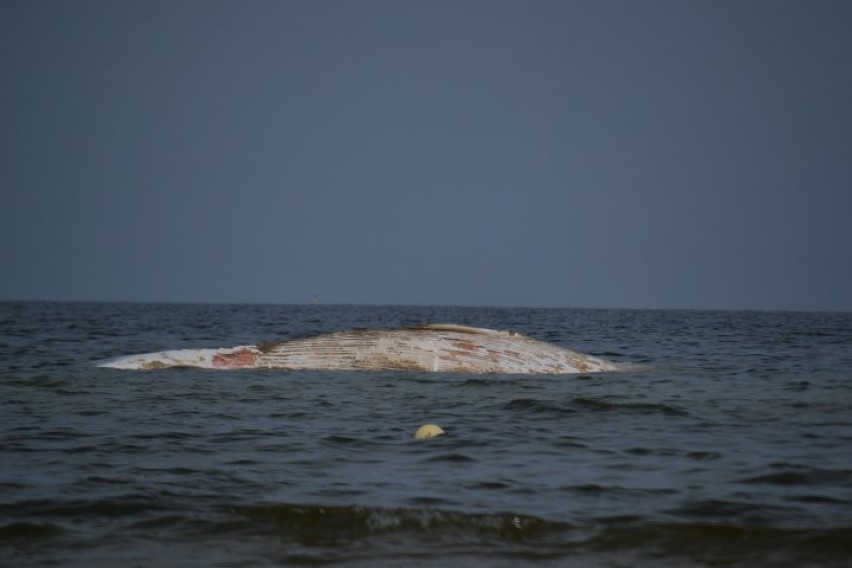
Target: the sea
(725, 441)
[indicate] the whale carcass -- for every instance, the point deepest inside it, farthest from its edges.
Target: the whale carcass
(434, 347)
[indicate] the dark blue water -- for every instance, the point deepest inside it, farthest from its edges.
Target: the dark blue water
(728, 444)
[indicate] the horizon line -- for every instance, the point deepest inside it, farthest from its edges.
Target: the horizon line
(415, 305)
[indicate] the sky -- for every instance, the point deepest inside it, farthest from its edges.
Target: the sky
(600, 153)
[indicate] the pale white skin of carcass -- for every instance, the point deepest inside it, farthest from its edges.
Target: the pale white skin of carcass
(433, 347)
(197, 358)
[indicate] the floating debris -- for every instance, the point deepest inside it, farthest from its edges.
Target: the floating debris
(428, 431)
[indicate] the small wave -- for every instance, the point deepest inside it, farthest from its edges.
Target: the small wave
(101, 480)
(122, 507)
(24, 531)
(453, 458)
(730, 545)
(488, 485)
(804, 476)
(171, 435)
(160, 521)
(687, 543)
(408, 536)
(56, 435)
(822, 499)
(640, 407)
(477, 382)
(427, 501)
(345, 440)
(89, 413)
(742, 512)
(243, 462)
(703, 456)
(534, 406)
(596, 490)
(363, 520)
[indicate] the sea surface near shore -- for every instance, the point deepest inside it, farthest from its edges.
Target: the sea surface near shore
(726, 442)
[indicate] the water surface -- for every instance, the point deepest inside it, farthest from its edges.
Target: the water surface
(726, 444)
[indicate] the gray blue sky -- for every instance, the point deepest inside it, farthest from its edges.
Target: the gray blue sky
(659, 154)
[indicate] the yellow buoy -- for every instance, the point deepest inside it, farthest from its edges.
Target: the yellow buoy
(428, 431)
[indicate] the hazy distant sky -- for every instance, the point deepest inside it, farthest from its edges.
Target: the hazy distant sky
(671, 154)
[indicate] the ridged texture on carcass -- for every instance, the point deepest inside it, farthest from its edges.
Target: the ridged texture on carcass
(435, 347)
(428, 348)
